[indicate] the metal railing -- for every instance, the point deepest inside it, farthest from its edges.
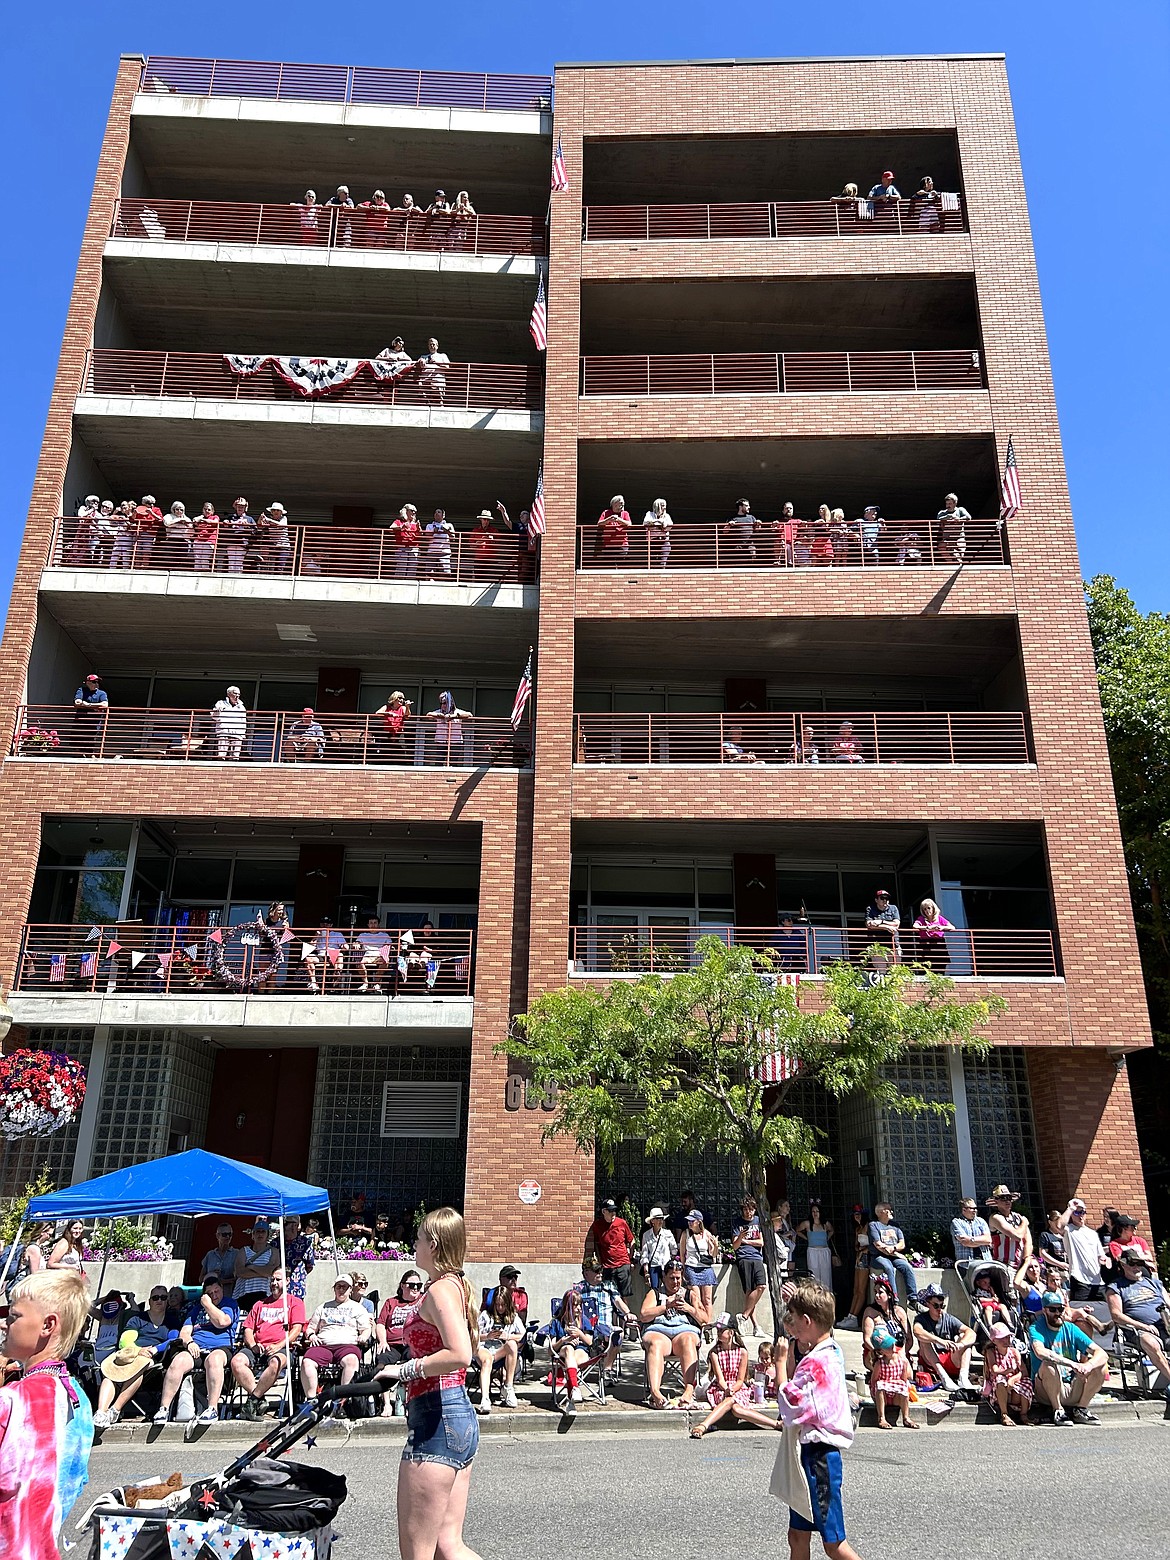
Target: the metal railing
(478, 557)
(780, 373)
(781, 737)
(631, 949)
(345, 84)
(322, 226)
(263, 737)
(206, 375)
(132, 959)
(770, 219)
(796, 544)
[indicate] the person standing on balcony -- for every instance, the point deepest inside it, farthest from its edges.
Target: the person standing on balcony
(432, 377)
(463, 214)
(396, 356)
(882, 920)
(785, 533)
(439, 534)
(613, 530)
(231, 724)
(448, 719)
(344, 222)
(274, 546)
(179, 529)
(394, 714)
(930, 930)
(820, 550)
(81, 545)
(407, 535)
(377, 223)
(884, 197)
(485, 545)
(438, 215)
(307, 210)
(148, 520)
(91, 705)
(239, 527)
(869, 530)
(404, 211)
(927, 202)
(204, 538)
(658, 526)
(742, 528)
(952, 530)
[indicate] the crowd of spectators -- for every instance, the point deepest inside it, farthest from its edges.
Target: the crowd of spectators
(376, 224)
(928, 210)
(138, 535)
(791, 542)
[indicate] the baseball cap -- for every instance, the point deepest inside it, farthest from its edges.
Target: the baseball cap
(655, 1213)
(509, 1272)
(92, 677)
(308, 710)
(881, 893)
(695, 1216)
(341, 1280)
(1124, 1222)
(1135, 1255)
(883, 1339)
(1050, 1299)
(592, 1264)
(931, 1292)
(1076, 1206)
(1000, 1330)
(887, 173)
(609, 1203)
(725, 1319)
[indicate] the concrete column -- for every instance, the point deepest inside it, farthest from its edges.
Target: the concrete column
(962, 1122)
(87, 1125)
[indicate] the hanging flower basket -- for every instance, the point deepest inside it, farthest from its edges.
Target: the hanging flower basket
(40, 1092)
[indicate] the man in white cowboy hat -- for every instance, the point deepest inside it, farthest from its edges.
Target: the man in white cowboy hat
(658, 1248)
(140, 1349)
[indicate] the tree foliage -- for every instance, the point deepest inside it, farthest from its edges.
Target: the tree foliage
(677, 1060)
(1132, 650)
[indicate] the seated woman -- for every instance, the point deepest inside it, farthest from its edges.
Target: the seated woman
(672, 1322)
(1030, 1285)
(1005, 1381)
(728, 1362)
(501, 1333)
(388, 1333)
(845, 748)
(140, 1350)
(335, 1334)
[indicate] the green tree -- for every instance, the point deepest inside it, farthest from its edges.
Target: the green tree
(688, 1050)
(1132, 650)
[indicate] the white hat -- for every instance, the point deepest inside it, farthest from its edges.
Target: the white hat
(655, 1213)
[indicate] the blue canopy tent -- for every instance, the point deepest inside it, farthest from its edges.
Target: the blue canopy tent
(190, 1184)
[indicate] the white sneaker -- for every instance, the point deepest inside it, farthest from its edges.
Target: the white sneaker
(377, 990)
(483, 1409)
(163, 1417)
(209, 1416)
(362, 990)
(103, 1419)
(510, 1398)
(313, 987)
(576, 1396)
(571, 1403)
(849, 1324)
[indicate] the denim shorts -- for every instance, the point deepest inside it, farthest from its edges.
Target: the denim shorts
(700, 1278)
(441, 1427)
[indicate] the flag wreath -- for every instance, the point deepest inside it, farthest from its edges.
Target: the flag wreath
(269, 936)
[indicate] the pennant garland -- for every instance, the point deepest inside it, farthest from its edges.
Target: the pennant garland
(136, 959)
(216, 936)
(94, 934)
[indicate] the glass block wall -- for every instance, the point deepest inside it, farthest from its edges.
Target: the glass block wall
(918, 1161)
(348, 1153)
(1003, 1135)
(25, 1156)
(153, 1076)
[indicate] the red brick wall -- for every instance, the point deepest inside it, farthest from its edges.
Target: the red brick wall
(1085, 1133)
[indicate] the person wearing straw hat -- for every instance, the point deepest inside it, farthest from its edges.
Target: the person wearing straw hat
(140, 1349)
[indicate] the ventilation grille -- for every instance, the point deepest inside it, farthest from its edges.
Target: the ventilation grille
(421, 1110)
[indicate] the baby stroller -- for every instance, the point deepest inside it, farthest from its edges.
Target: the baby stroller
(259, 1502)
(1000, 1280)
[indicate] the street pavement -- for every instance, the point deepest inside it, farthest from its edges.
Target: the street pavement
(982, 1493)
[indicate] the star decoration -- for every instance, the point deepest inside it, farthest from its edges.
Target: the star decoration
(207, 1500)
(310, 1441)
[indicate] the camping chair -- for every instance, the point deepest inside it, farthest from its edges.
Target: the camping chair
(1138, 1372)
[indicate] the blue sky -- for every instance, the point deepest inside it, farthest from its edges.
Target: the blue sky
(1089, 87)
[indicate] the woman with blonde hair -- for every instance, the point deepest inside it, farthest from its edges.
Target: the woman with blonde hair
(930, 930)
(441, 1337)
(658, 527)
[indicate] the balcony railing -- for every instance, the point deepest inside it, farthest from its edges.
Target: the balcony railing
(480, 558)
(792, 545)
(780, 373)
(264, 737)
(631, 949)
(360, 84)
(325, 227)
(770, 219)
(131, 959)
(206, 376)
(779, 737)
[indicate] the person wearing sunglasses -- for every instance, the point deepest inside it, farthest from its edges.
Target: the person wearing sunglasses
(388, 1332)
(1068, 1368)
(125, 1371)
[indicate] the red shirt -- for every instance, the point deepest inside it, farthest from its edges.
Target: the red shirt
(612, 1241)
(483, 540)
(615, 529)
(266, 1318)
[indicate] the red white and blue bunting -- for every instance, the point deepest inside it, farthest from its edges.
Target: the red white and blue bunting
(316, 376)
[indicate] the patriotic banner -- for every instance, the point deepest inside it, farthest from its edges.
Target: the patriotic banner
(57, 963)
(315, 376)
(560, 174)
(203, 1540)
(779, 1066)
(116, 1534)
(286, 936)
(461, 969)
(306, 950)
(1009, 499)
(432, 973)
(407, 939)
(216, 936)
(523, 693)
(164, 960)
(402, 970)
(538, 324)
(536, 513)
(334, 956)
(192, 950)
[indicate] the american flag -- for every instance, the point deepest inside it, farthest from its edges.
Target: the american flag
(538, 324)
(523, 694)
(560, 174)
(1009, 499)
(87, 969)
(57, 968)
(536, 513)
(461, 969)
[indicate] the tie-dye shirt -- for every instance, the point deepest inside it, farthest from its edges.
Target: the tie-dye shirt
(816, 1400)
(45, 1440)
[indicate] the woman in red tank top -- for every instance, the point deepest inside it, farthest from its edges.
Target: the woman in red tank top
(442, 1430)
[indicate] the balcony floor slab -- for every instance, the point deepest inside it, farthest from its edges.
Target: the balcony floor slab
(365, 1017)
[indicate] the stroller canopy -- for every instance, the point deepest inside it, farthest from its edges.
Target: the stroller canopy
(194, 1183)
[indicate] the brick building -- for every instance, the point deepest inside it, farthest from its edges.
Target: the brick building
(735, 721)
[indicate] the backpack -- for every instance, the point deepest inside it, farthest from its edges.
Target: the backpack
(13, 1257)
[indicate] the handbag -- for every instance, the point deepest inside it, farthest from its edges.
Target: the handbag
(788, 1483)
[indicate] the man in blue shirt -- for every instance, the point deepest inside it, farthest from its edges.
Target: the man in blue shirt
(90, 708)
(970, 1234)
(1067, 1366)
(208, 1334)
(1139, 1301)
(887, 1246)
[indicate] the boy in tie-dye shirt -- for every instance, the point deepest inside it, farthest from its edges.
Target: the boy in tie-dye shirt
(46, 1427)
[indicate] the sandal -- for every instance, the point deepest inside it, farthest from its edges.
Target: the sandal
(698, 1432)
(651, 1402)
(884, 1424)
(910, 1424)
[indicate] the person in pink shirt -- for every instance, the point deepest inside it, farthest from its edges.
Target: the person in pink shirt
(930, 929)
(271, 1328)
